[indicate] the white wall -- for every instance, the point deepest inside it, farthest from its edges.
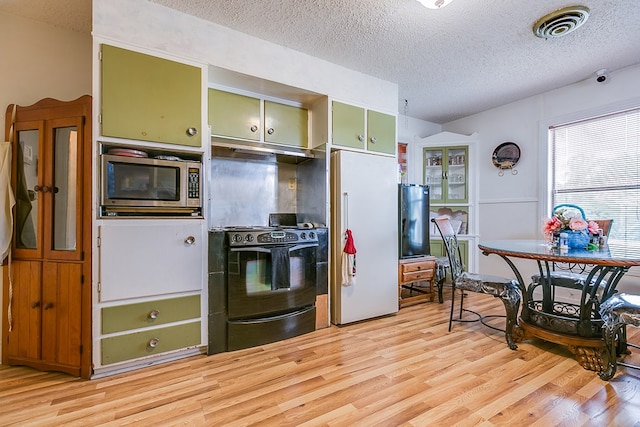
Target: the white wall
(513, 206)
(41, 61)
(409, 128)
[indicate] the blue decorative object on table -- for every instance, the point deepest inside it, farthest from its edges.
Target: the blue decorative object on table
(570, 219)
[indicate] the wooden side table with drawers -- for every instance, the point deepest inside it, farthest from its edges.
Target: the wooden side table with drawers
(415, 278)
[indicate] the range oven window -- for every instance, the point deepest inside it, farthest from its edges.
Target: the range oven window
(126, 181)
(260, 272)
(275, 279)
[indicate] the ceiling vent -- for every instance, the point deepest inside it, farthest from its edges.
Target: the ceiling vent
(561, 22)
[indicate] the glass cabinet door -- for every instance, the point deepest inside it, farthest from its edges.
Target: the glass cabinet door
(456, 175)
(48, 191)
(434, 173)
(63, 189)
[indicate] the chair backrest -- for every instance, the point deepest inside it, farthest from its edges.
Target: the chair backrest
(605, 225)
(448, 234)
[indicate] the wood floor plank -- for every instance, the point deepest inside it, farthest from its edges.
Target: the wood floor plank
(399, 370)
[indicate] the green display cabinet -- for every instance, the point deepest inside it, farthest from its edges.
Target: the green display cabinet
(150, 99)
(446, 172)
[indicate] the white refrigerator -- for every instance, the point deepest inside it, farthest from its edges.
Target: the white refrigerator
(364, 199)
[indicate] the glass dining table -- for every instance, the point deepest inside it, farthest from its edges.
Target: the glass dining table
(549, 313)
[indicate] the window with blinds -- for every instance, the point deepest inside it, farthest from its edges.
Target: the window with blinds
(595, 164)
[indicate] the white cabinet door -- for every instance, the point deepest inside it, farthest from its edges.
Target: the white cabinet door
(145, 257)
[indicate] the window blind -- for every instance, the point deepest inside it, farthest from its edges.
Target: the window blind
(595, 164)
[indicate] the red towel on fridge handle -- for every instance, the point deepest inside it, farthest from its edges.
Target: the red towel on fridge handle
(349, 261)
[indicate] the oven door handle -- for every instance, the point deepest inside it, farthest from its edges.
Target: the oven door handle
(267, 249)
(298, 247)
(252, 249)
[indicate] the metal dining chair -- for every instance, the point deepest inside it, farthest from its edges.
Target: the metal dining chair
(500, 287)
(617, 312)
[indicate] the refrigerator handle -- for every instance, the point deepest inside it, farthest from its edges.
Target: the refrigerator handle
(345, 196)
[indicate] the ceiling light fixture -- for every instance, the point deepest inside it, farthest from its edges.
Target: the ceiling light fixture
(435, 4)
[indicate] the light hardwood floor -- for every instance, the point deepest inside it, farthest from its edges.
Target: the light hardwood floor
(402, 370)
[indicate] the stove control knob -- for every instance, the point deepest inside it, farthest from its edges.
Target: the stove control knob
(312, 235)
(237, 238)
(249, 238)
(303, 235)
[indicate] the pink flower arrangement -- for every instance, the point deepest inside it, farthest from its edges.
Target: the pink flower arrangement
(567, 219)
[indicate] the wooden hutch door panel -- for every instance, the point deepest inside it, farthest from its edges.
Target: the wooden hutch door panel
(61, 332)
(23, 341)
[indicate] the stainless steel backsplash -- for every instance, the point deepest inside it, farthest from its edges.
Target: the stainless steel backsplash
(244, 191)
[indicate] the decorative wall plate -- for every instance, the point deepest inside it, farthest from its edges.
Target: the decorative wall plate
(506, 156)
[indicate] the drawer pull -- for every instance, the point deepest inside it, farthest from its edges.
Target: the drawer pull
(153, 342)
(190, 240)
(153, 314)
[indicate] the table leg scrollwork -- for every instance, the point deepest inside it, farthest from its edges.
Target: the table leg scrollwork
(590, 358)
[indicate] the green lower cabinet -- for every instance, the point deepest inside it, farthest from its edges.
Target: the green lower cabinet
(438, 250)
(146, 343)
(151, 313)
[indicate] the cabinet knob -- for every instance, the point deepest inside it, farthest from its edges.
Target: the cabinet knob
(192, 131)
(270, 131)
(153, 342)
(48, 305)
(153, 314)
(361, 138)
(42, 188)
(190, 240)
(373, 139)
(35, 304)
(254, 128)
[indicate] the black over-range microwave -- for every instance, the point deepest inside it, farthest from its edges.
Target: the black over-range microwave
(141, 186)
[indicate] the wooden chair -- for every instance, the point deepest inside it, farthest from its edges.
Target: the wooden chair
(617, 312)
(500, 287)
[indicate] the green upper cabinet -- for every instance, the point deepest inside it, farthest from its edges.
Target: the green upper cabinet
(381, 132)
(348, 125)
(149, 98)
(238, 116)
(233, 115)
(350, 129)
(285, 124)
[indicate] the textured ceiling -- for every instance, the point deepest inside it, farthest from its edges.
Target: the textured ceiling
(467, 57)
